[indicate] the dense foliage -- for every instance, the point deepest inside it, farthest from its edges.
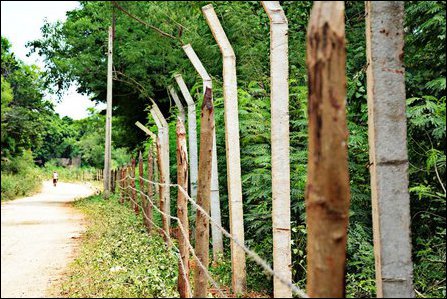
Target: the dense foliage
(32, 132)
(144, 62)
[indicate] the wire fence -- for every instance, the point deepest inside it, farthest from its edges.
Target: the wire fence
(251, 254)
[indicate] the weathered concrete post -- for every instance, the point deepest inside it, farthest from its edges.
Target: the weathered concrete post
(232, 148)
(279, 100)
(178, 103)
(387, 134)
(163, 136)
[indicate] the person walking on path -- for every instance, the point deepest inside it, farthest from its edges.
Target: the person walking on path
(55, 178)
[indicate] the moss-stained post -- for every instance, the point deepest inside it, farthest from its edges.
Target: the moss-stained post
(182, 210)
(387, 134)
(203, 195)
(232, 148)
(215, 201)
(327, 190)
(279, 100)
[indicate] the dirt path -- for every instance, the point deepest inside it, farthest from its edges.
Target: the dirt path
(38, 238)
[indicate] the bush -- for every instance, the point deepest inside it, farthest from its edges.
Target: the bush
(20, 177)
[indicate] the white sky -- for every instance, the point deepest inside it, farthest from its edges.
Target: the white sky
(20, 23)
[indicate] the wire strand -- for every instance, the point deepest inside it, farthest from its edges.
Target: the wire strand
(253, 255)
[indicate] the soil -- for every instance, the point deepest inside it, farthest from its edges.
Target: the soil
(39, 235)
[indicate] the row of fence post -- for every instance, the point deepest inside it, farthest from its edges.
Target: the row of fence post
(327, 189)
(125, 178)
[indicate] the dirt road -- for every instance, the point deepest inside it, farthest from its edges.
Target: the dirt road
(38, 238)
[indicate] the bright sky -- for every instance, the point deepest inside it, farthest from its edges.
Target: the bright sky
(21, 22)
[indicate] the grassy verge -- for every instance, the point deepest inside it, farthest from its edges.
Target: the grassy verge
(20, 177)
(117, 257)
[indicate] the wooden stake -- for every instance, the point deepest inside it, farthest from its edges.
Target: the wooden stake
(279, 100)
(127, 182)
(140, 180)
(215, 198)
(134, 192)
(122, 176)
(327, 190)
(232, 148)
(387, 133)
(192, 134)
(150, 188)
(182, 209)
(203, 195)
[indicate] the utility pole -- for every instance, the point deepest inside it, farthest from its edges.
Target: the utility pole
(108, 141)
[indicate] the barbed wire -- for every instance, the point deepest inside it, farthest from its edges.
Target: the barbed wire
(253, 255)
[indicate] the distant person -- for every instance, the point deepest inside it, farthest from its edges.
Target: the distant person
(55, 178)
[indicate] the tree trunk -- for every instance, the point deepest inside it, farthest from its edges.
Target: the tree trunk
(203, 195)
(387, 133)
(327, 190)
(182, 210)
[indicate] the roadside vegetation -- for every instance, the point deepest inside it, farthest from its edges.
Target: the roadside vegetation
(117, 257)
